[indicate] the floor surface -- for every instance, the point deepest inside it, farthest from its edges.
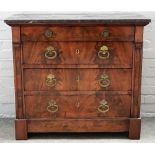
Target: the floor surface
(147, 135)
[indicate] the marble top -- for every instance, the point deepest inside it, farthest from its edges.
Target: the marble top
(78, 18)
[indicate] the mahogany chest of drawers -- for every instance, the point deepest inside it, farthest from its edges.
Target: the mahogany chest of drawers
(77, 73)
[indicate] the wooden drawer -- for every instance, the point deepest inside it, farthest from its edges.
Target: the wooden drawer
(77, 106)
(114, 54)
(77, 33)
(77, 79)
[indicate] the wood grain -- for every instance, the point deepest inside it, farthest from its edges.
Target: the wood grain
(134, 128)
(79, 125)
(21, 129)
(137, 72)
(34, 79)
(120, 53)
(16, 34)
(77, 106)
(77, 33)
(139, 34)
(70, 93)
(75, 66)
(18, 81)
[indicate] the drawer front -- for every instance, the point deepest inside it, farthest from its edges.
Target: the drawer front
(82, 106)
(106, 53)
(77, 33)
(77, 79)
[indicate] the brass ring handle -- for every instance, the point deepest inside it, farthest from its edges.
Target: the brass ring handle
(50, 80)
(104, 81)
(49, 34)
(52, 106)
(50, 53)
(103, 52)
(103, 107)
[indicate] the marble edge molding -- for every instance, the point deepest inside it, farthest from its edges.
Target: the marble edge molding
(107, 19)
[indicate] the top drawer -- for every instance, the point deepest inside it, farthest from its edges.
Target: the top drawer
(77, 33)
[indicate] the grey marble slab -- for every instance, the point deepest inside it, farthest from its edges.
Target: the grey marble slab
(78, 18)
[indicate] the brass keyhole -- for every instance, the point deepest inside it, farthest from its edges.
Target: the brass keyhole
(77, 104)
(77, 51)
(78, 78)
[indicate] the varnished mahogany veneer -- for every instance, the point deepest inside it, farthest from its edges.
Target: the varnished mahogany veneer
(78, 125)
(120, 79)
(120, 53)
(77, 33)
(77, 94)
(36, 106)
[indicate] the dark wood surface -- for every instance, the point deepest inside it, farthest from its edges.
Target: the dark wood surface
(77, 106)
(21, 129)
(17, 58)
(120, 53)
(137, 72)
(66, 79)
(79, 125)
(79, 18)
(77, 92)
(134, 128)
(77, 33)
